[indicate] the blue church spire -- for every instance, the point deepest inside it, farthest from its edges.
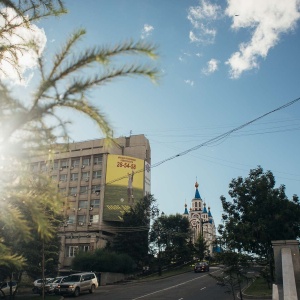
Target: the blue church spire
(197, 194)
(186, 210)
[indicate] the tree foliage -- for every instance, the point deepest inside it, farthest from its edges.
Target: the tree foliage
(171, 235)
(201, 247)
(132, 236)
(258, 214)
(16, 16)
(234, 271)
(32, 124)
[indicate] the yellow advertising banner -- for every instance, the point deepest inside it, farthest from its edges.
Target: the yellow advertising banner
(124, 185)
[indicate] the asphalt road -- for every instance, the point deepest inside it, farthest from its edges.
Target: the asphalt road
(187, 286)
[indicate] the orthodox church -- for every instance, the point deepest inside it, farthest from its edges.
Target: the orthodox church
(201, 220)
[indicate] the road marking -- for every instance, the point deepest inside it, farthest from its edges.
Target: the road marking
(172, 287)
(203, 288)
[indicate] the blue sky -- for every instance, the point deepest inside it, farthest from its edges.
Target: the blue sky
(222, 64)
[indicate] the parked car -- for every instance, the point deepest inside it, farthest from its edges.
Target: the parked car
(201, 267)
(5, 287)
(51, 286)
(76, 283)
(37, 284)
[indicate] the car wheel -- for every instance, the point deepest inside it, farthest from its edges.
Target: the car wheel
(76, 292)
(92, 289)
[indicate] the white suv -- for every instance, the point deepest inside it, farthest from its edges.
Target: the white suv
(76, 283)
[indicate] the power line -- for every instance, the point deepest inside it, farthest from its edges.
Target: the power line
(226, 134)
(212, 141)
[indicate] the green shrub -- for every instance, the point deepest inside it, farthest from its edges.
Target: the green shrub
(103, 261)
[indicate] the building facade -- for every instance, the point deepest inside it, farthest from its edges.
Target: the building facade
(99, 182)
(201, 220)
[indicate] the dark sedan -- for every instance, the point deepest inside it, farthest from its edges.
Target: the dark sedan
(201, 267)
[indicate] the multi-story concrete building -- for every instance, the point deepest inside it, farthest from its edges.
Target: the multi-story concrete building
(201, 220)
(99, 182)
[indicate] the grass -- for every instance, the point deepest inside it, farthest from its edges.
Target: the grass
(258, 288)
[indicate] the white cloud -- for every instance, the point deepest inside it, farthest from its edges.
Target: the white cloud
(147, 30)
(183, 56)
(268, 19)
(212, 66)
(200, 18)
(189, 82)
(27, 58)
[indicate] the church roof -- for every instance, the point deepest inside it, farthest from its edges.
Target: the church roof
(186, 212)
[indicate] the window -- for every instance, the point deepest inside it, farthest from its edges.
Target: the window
(73, 250)
(98, 160)
(97, 174)
(75, 162)
(83, 189)
(81, 219)
(55, 165)
(73, 190)
(64, 163)
(127, 141)
(85, 176)
(94, 218)
(63, 177)
(43, 167)
(63, 191)
(54, 177)
(95, 203)
(84, 248)
(96, 189)
(34, 167)
(71, 219)
(74, 176)
(82, 204)
(86, 161)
